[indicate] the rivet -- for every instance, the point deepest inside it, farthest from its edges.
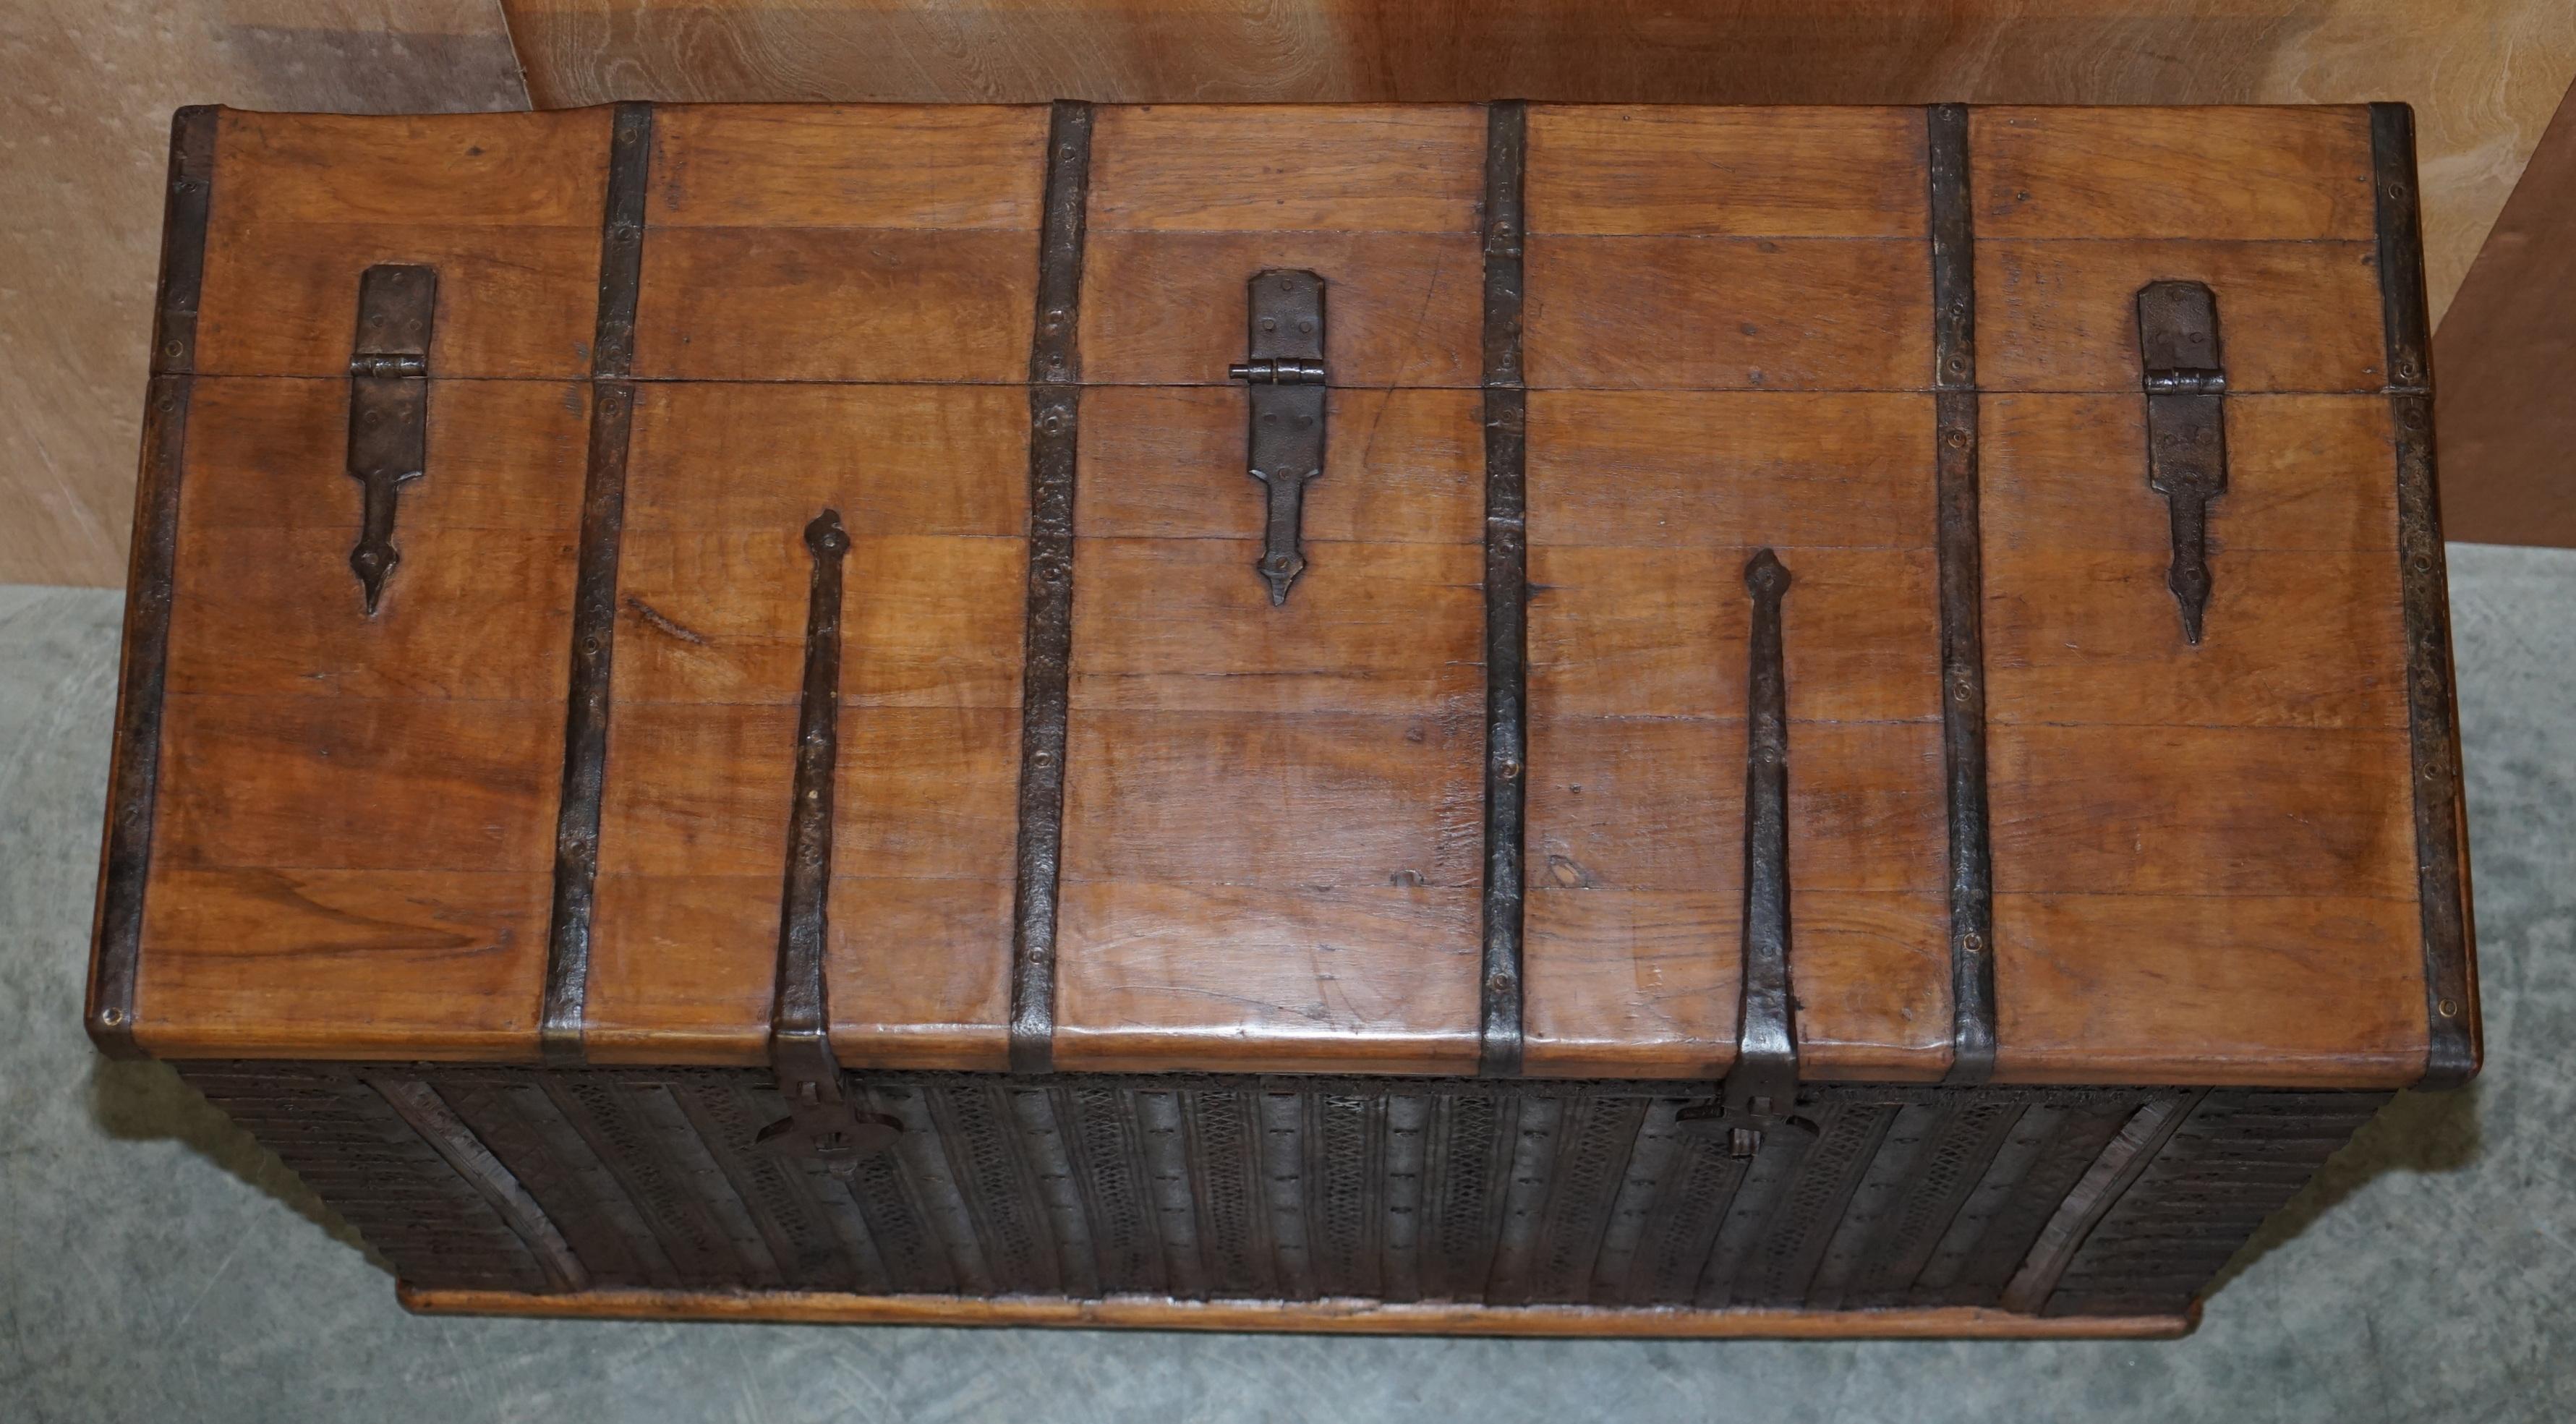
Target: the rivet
(111, 1017)
(1973, 942)
(1956, 440)
(2448, 1008)
(1509, 770)
(172, 349)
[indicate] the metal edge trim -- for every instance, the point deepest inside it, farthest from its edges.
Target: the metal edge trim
(1055, 407)
(125, 849)
(2454, 1046)
(561, 1014)
(1962, 593)
(422, 1109)
(1500, 997)
(2114, 1171)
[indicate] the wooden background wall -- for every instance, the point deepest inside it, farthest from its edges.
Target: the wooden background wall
(86, 87)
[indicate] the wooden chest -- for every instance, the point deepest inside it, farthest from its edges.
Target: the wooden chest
(1510, 718)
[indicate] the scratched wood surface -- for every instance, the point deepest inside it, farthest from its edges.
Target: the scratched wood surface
(931, 482)
(2144, 789)
(1274, 820)
(1273, 815)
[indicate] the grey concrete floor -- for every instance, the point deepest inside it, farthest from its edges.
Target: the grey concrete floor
(155, 1264)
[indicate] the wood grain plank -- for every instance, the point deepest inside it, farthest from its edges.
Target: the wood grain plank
(862, 166)
(927, 620)
(1344, 978)
(1749, 172)
(274, 454)
(543, 169)
(1187, 625)
(2305, 627)
(835, 304)
(1644, 983)
(320, 783)
(687, 964)
(1733, 313)
(281, 299)
(2293, 640)
(1315, 801)
(2304, 473)
(2220, 173)
(1167, 308)
(2275, 990)
(506, 206)
(373, 963)
(1730, 469)
(1656, 804)
(1256, 168)
(1400, 467)
(2063, 316)
(2201, 811)
(1633, 632)
(470, 613)
(922, 793)
(906, 459)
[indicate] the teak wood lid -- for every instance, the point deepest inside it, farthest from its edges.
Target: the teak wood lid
(2108, 715)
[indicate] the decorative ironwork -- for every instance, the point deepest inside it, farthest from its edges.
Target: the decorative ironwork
(1202, 1187)
(388, 407)
(1506, 406)
(1760, 1094)
(2185, 379)
(561, 1016)
(1055, 413)
(1285, 369)
(823, 1120)
(1963, 648)
(134, 771)
(2455, 1047)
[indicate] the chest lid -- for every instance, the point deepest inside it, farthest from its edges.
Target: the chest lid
(1854, 594)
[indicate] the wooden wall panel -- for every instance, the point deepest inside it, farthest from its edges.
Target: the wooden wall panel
(2500, 363)
(86, 90)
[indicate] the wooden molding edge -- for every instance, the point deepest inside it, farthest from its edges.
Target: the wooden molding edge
(1328, 1317)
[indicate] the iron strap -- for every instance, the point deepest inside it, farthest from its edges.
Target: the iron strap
(135, 768)
(561, 1016)
(1962, 581)
(1760, 1094)
(2454, 1046)
(1499, 1017)
(1055, 410)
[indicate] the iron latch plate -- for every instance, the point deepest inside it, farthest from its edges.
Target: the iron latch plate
(388, 408)
(2185, 379)
(1285, 369)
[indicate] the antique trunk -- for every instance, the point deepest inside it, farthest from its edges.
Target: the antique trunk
(1510, 718)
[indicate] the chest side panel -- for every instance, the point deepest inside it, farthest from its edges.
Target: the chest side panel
(836, 305)
(352, 847)
(1273, 810)
(2204, 850)
(1729, 350)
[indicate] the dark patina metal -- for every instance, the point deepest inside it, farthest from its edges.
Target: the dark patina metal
(1963, 645)
(388, 407)
(1506, 408)
(594, 605)
(1285, 369)
(2185, 376)
(823, 1120)
(1055, 410)
(1202, 1186)
(425, 1112)
(1760, 1094)
(134, 772)
(2454, 1049)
